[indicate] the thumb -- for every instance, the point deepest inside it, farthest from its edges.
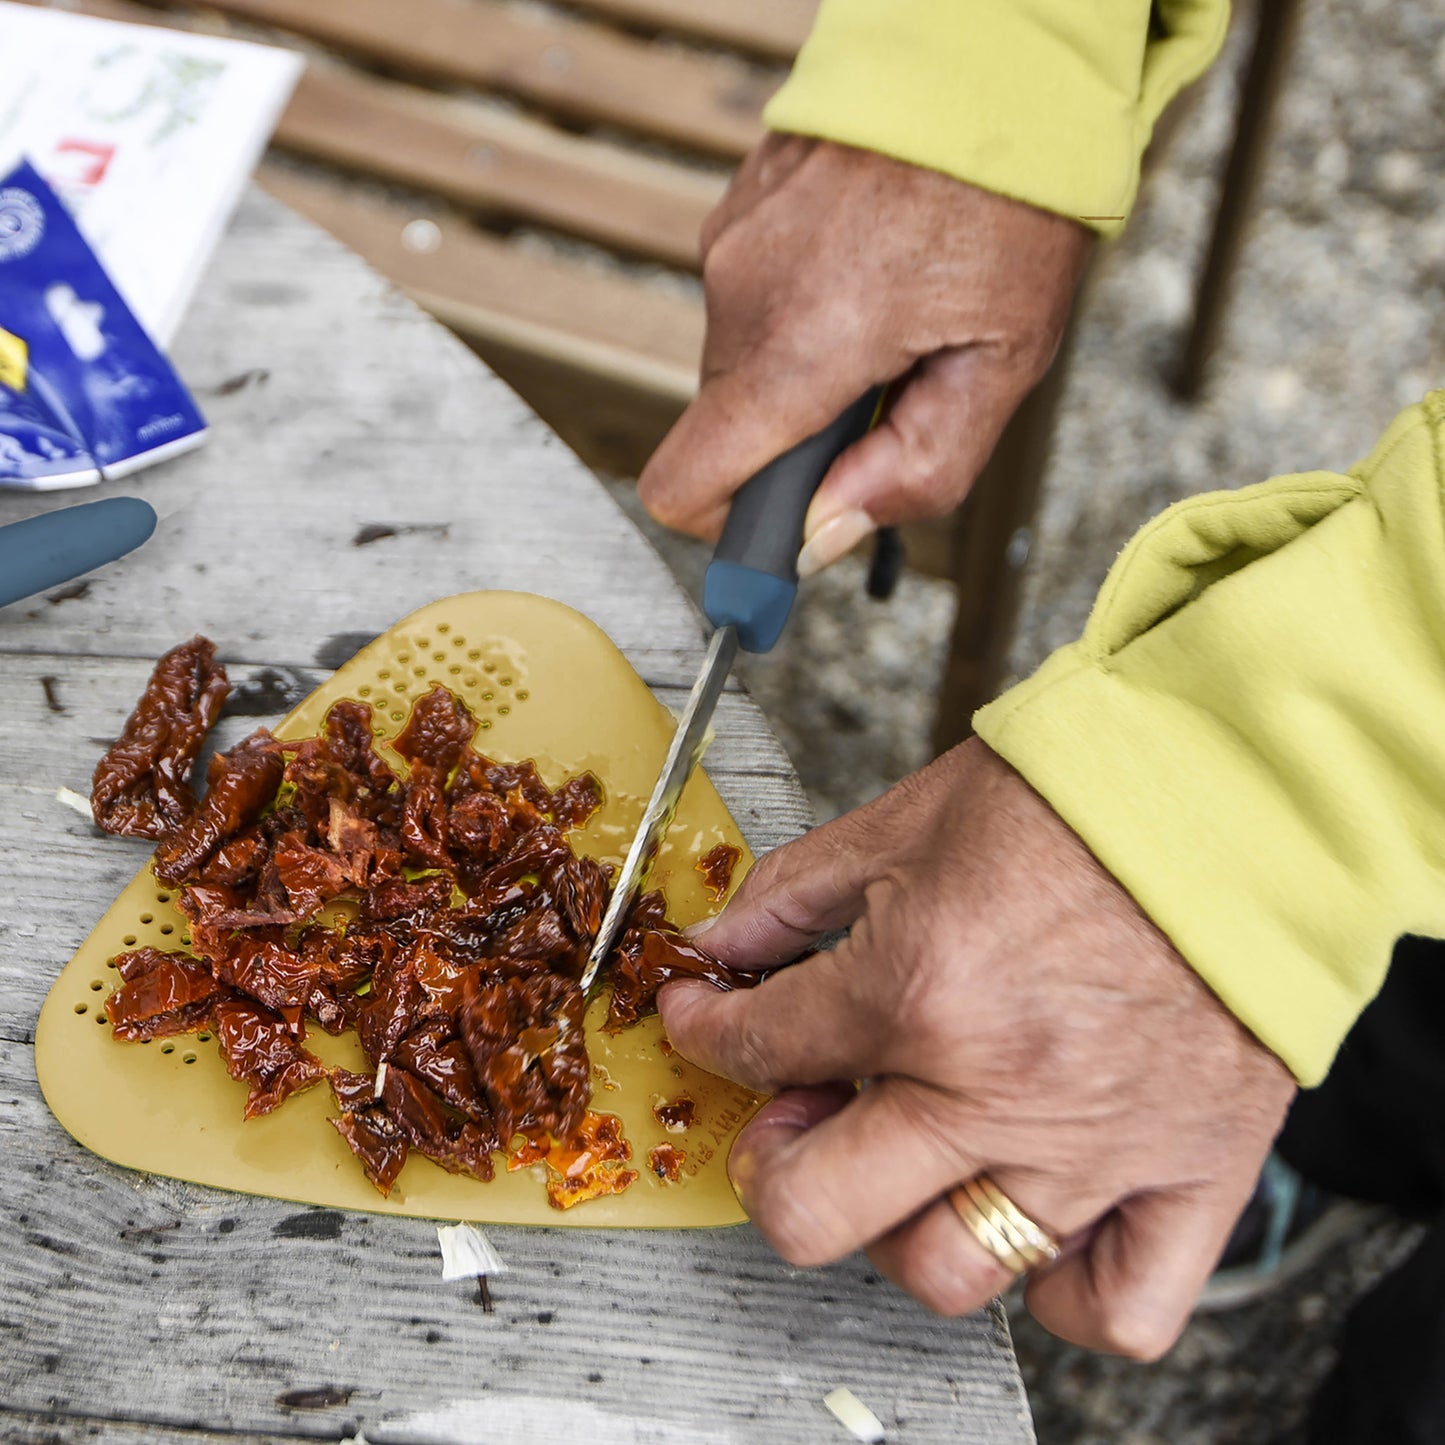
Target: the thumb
(741, 420)
(939, 428)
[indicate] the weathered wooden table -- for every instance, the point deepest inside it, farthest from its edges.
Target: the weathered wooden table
(364, 463)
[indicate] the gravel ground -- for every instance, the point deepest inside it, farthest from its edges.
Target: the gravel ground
(1337, 321)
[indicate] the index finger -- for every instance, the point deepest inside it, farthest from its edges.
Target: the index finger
(773, 397)
(803, 1025)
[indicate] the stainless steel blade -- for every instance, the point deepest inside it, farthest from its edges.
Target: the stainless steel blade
(687, 747)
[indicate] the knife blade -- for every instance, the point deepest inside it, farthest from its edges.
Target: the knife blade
(748, 593)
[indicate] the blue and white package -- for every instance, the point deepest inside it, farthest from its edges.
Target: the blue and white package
(85, 395)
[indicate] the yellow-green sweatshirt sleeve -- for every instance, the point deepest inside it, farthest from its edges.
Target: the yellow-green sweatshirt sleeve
(1250, 734)
(1049, 101)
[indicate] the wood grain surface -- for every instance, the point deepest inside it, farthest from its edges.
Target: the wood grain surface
(570, 68)
(507, 167)
(139, 1309)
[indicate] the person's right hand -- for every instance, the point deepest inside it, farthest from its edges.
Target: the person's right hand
(829, 270)
(1014, 1012)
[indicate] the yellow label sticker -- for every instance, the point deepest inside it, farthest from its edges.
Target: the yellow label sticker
(14, 360)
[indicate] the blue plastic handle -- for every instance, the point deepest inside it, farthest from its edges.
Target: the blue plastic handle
(753, 576)
(54, 547)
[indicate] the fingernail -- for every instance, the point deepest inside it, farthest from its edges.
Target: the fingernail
(835, 537)
(696, 930)
(742, 1170)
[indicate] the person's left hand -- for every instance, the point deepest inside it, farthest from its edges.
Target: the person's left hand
(1014, 1012)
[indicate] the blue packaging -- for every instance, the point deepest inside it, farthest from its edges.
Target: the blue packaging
(85, 395)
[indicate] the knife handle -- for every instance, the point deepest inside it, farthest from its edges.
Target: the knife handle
(52, 548)
(753, 577)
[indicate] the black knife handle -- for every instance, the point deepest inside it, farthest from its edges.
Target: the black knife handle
(753, 577)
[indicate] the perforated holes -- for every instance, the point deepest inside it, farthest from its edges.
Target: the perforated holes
(163, 897)
(364, 691)
(506, 682)
(110, 963)
(438, 657)
(523, 695)
(384, 674)
(129, 940)
(188, 1058)
(100, 1018)
(423, 643)
(454, 670)
(147, 918)
(403, 657)
(490, 667)
(400, 688)
(82, 1008)
(168, 1048)
(168, 928)
(486, 697)
(204, 1038)
(444, 627)
(475, 654)
(397, 716)
(418, 672)
(186, 939)
(96, 985)
(486, 722)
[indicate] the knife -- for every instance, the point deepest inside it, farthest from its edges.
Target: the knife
(747, 594)
(54, 547)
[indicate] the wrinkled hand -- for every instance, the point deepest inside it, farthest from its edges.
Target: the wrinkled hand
(829, 270)
(1015, 1012)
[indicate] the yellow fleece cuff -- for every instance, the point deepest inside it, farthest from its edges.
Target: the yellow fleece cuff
(1048, 101)
(1250, 735)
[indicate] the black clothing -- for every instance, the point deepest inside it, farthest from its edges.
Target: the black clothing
(1375, 1130)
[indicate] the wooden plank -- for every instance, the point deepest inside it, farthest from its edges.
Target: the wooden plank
(65, 1427)
(613, 425)
(560, 311)
(571, 68)
(499, 164)
(774, 28)
(204, 1311)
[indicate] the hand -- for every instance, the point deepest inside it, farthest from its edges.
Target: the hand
(829, 270)
(1014, 1012)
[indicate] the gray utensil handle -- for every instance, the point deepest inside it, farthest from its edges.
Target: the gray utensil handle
(764, 528)
(52, 548)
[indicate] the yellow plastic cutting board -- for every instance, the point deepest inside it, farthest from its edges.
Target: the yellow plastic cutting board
(546, 684)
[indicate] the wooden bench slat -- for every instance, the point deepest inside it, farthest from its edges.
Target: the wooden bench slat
(572, 68)
(486, 289)
(774, 28)
(500, 164)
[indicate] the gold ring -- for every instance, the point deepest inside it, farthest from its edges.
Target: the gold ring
(1003, 1229)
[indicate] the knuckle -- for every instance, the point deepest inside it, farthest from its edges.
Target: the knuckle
(749, 1060)
(927, 486)
(947, 1283)
(1137, 1333)
(662, 500)
(1029, 352)
(785, 1214)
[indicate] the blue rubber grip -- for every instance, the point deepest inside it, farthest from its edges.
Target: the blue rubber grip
(753, 577)
(55, 547)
